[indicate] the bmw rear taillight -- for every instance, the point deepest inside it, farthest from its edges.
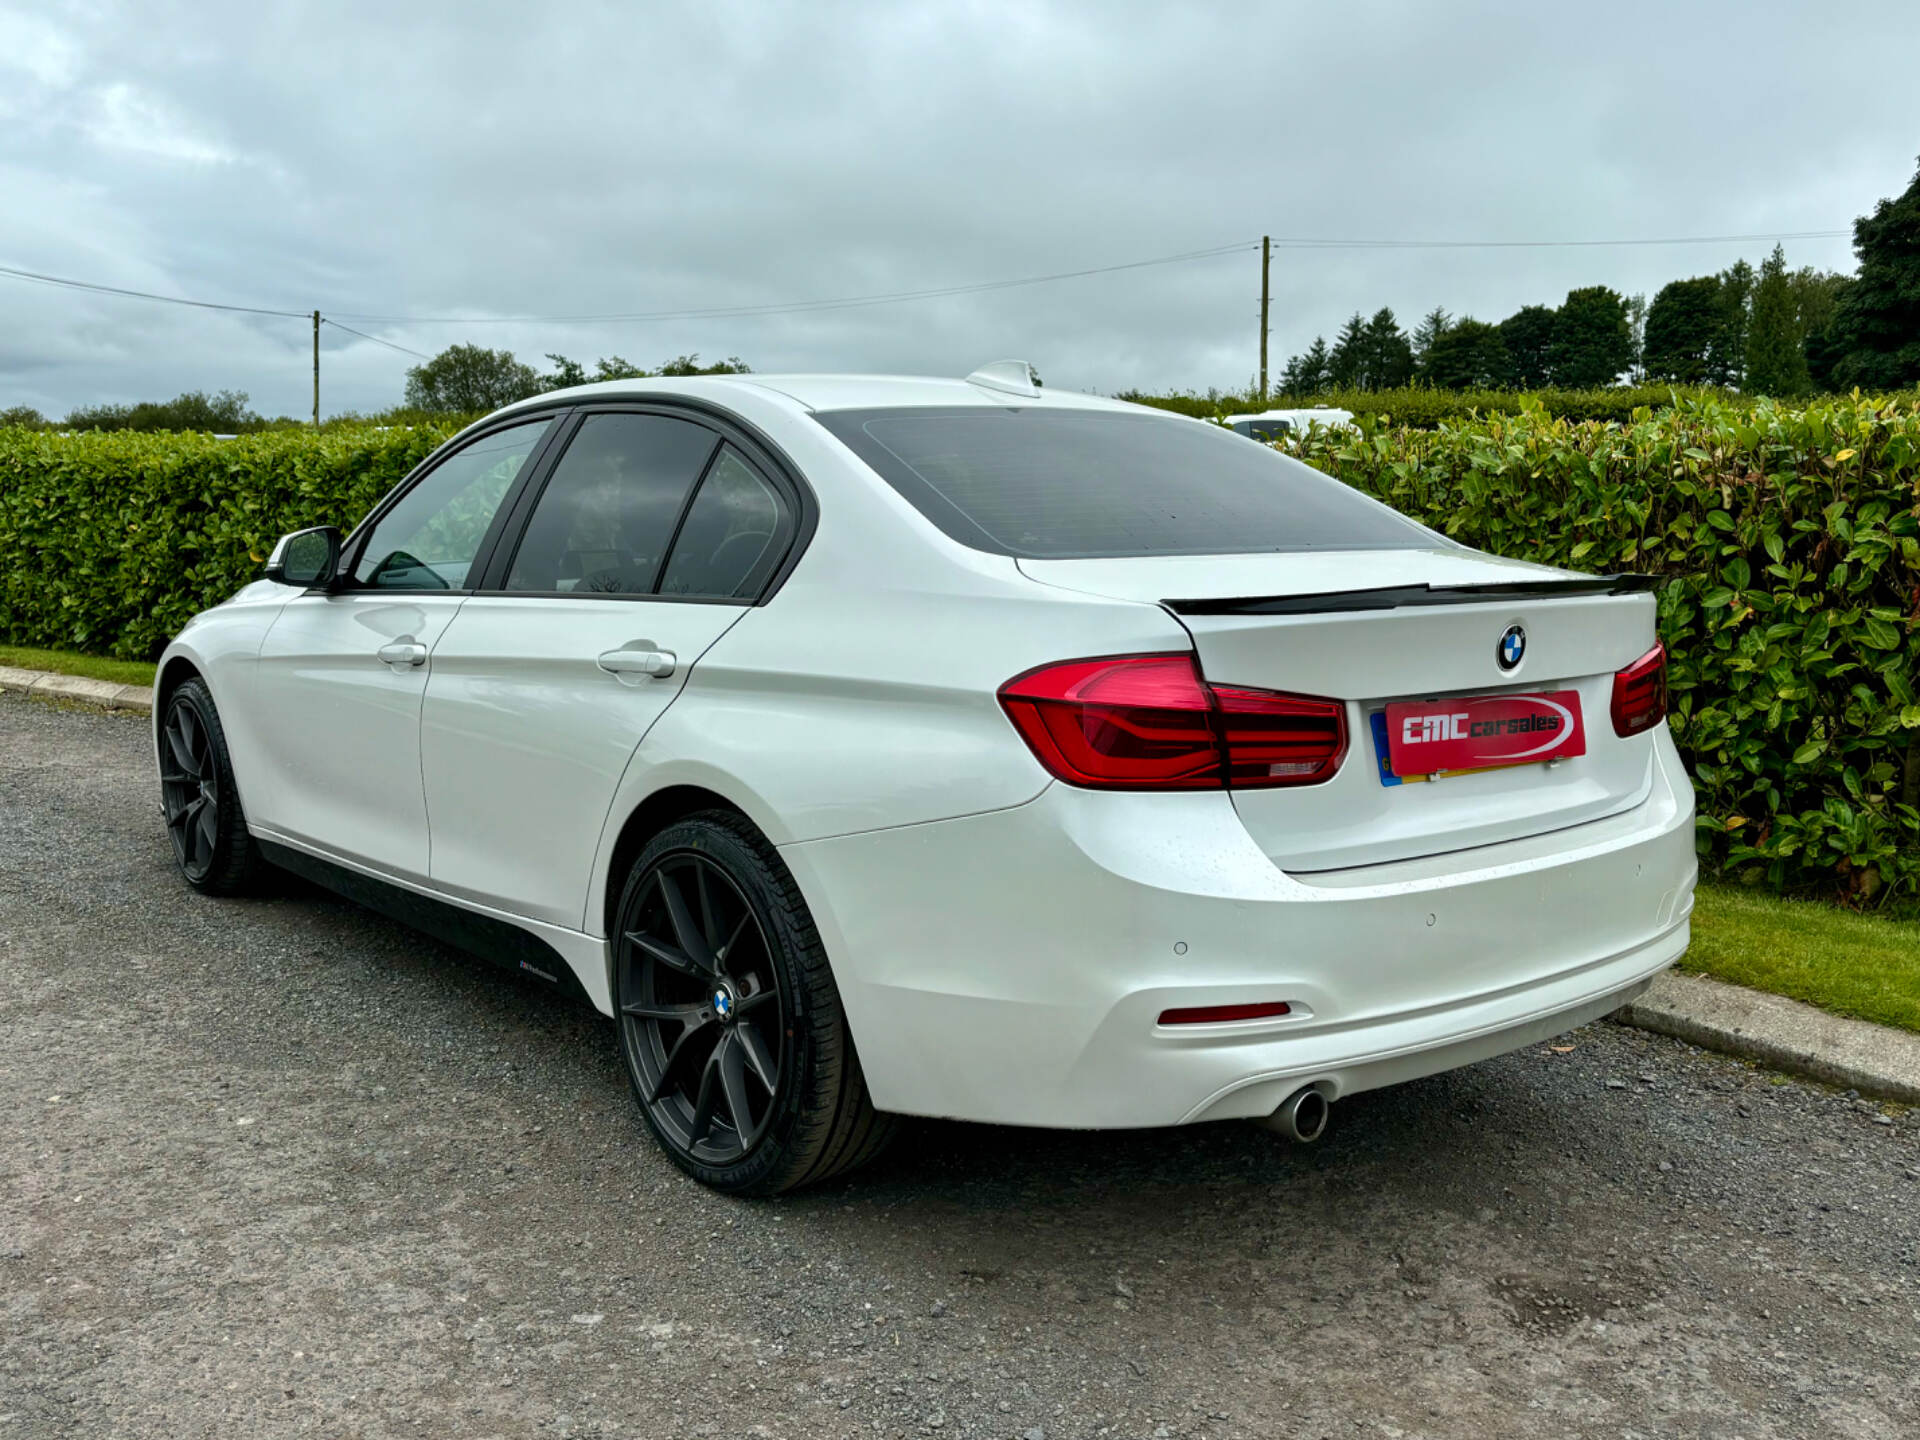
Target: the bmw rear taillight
(1149, 722)
(1640, 693)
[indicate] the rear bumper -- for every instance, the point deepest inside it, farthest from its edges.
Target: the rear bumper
(1011, 967)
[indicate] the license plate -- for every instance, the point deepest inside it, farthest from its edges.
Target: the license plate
(1482, 732)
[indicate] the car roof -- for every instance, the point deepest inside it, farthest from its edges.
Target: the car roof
(836, 392)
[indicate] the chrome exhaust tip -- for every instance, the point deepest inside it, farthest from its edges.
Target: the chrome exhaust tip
(1302, 1116)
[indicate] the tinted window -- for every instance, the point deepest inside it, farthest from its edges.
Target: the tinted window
(428, 540)
(1264, 429)
(604, 521)
(1073, 484)
(732, 536)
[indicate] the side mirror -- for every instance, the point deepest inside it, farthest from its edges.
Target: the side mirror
(306, 557)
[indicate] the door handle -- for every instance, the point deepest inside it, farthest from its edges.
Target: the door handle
(638, 660)
(404, 651)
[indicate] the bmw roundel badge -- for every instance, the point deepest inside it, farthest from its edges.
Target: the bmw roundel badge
(1512, 648)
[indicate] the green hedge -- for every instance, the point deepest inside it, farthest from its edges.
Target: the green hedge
(1792, 539)
(112, 539)
(1424, 408)
(1792, 536)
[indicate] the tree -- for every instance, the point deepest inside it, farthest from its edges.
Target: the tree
(564, 375)
(1637, 331)
(1309, 373)
(1591, 343)
(1874, 337)
(1823, 346)
(567, 372)
(225, 413)
(1347, 361)
(1776, 357)
(1528, 335)
(1727, 351)
(465, 378)
(690, 365)
(1389, 355)
(1425, 333)
(1470, 355)
(618, 367)
(1683, 323)
(22, 417)
(1815, 295)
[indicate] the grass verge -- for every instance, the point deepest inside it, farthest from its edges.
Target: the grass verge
(1864, 966)
(65, 662)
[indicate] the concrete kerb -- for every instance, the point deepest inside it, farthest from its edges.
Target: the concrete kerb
(106, 694)
(1784, 1034)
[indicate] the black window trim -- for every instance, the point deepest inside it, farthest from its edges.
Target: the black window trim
(747, 441)
(355, 542)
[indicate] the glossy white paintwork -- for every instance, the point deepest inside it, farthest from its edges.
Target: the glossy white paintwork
(340, 729)
(1062, 928)
(524, 738)
(1003, 943)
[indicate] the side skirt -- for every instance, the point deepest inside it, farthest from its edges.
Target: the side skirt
(505, 944)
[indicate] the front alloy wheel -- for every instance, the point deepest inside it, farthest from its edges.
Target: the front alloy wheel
(189, 790)
(198, 796)
(729, 1020)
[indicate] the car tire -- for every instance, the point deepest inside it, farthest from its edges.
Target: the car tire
(721, 985)
(199, 798)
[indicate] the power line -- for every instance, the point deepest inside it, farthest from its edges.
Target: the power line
(66, 284)
(329, 320)
(803, 306)
(1304, 244)
(849, 302)
(941, 292)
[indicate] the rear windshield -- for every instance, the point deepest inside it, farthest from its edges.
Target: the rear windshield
(1084, 484)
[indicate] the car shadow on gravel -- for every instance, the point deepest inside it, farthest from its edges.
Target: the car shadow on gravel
(1437, 1139)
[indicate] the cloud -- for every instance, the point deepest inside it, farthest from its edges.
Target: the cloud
(484, 159)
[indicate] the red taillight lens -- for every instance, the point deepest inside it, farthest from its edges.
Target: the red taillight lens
(1275, 739)
(1640, 693)
(1148, 722)
(1142, 722)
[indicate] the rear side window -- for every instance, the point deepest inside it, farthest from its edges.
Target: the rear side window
(607, 515)
(733, 535)
(1084, 484)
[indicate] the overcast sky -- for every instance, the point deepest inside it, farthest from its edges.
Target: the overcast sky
(478, 160)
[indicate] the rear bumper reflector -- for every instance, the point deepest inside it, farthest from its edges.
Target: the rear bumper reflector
(1215, 1014)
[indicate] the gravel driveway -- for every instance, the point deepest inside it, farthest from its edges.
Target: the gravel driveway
(280, 1168)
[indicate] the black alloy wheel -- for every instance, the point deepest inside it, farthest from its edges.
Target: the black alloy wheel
(199, 798)
(703, 1000)
(729, 1020)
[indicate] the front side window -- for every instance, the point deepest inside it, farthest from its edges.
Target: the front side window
(429, 539)
(608, 513)
(1062, 484)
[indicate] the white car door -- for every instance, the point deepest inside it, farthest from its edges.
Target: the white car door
(342, 671)
(649, 538)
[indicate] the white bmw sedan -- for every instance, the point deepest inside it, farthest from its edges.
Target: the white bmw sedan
(869, 747)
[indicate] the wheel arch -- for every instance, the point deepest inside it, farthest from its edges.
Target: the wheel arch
(647, 819)
(176, 668)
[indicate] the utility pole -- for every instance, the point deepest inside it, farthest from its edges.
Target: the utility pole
(316, 367)
(1266, 301)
